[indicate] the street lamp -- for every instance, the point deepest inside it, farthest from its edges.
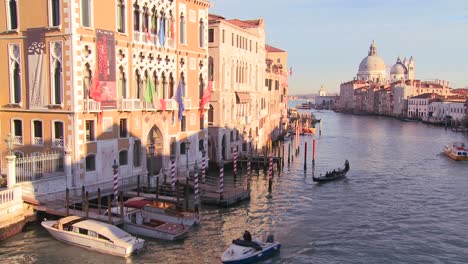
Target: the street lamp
(187, 147)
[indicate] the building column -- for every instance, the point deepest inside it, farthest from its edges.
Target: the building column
(68, 167)
(11, 170)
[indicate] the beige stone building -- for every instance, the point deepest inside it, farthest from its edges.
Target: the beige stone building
(102, 79)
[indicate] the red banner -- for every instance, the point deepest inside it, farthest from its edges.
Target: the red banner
(106, 79)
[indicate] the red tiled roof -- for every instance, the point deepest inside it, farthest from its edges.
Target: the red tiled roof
(215, 17)
(428, 96)
(244, 23)
(272, 49)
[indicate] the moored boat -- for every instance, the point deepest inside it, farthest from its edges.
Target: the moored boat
(138, 222)
(333, 175)
(457, 151)
(93, 235)
(308, 130)
(163, 211)
(241, 251)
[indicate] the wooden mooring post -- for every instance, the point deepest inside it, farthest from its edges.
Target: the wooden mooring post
(87, 205)
(99, 200)
(109, 209)
(138, 185)
(67, 202)
(305, 156)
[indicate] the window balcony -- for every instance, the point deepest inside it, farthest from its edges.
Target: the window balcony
(18, 140)
(91, 106)
(38, 141)
(57, 143)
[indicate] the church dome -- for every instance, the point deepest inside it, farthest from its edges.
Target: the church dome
(372, 67)
(398, 68)
(372, 63)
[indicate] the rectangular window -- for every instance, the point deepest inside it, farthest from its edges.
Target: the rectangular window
(173, 146)
(12, 14)
(86, 13)
(123, 128)
(210, 35)
(232, 39)
(224, 31)
(183, 124)
(54, 13)
(137, 153)
(123, 158)
(18, 131)
(91, 162)
(202, 122)
(201, 145)
(266, 82)
(276, 85)
(121, 16)
(89, 130)
(37, 130)
(58, 134)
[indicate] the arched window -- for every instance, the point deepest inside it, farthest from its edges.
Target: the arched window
(171, 86)
(57, 85)
(138, 85)
(201, 33)
(37, 138)
(86, 81)
(91, 162)
(154, 21)
(121, 84)
(136, 17)
(210, 115)
(164, 85)
(157, 87)
(13, 14)
(16, 84)
(182, 28)
(201, 86)
(211, 68)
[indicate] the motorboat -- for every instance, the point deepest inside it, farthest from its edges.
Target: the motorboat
(163, 211)
(333, 175)
(93, 235)
(457, 151)
(307, 105)
(139, 223)
(308, 130)
(242, 251)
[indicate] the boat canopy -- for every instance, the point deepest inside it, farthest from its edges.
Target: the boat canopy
(67, 220)
(110, 231)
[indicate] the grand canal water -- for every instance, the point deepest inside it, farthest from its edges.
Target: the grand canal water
(402, 202)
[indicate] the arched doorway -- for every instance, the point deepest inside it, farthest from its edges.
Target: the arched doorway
(155, 148)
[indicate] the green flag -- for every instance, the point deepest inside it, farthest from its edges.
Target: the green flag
(149, 93)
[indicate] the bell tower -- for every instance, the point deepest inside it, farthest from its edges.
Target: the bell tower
(411, 67)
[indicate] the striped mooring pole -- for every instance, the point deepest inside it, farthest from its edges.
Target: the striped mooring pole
(115, 168)
(221, 182)
(203, 167)
(196, 191)
(173, 178)
(235, 162)
(248, 173)
(270, 174)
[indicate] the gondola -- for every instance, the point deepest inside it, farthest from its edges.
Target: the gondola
(333, 175)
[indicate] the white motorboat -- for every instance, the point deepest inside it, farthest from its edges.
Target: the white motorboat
(94, 235)
(241, 251)
(162, 211)
(138, 222)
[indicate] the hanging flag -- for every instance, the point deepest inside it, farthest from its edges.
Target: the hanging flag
(161, 104)
(162, 31)
(149, 92)
(206, 97)
(290, 71)
(149, 35)
(179, 98)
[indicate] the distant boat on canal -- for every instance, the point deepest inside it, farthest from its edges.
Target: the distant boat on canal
(333, 175)
(457, 151)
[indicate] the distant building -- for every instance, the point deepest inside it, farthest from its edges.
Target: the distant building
(418, 106)
(325, 101)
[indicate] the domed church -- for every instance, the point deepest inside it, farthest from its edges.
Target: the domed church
(372, 68)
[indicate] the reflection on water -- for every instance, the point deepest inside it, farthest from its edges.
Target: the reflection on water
(402, 202)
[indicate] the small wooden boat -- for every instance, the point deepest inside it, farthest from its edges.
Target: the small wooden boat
(241, 251)
(334, 175)
(162, 211)
(93, 235)
(456, 151)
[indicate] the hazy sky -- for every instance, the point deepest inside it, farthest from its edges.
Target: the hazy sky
(327, 39)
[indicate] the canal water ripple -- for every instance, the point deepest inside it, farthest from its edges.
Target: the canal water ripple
(402, 202)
